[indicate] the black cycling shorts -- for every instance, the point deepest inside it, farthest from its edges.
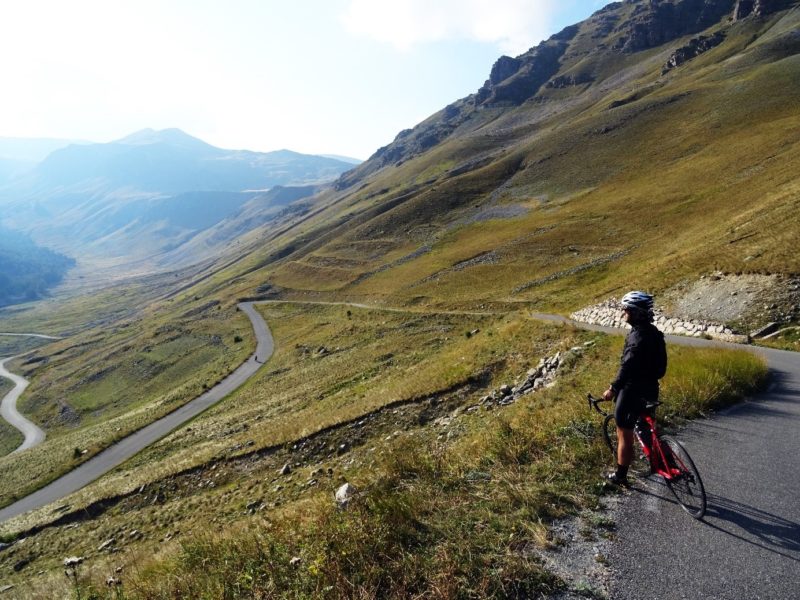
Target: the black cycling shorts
(630, 406)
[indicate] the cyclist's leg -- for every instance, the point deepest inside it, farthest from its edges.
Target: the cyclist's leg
(626, 413)
(624, 446)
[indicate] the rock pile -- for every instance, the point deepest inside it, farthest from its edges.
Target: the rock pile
(609, 314)
(542, 376)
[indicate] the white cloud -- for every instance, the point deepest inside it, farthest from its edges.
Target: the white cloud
(513, 25)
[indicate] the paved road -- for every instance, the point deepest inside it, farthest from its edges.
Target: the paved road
(36, 335)
(8, 409)
(127, 447)
(748, 545)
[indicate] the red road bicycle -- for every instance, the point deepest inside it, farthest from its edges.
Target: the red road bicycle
(661, 455)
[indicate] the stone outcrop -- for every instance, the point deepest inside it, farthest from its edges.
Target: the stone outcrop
(503, 68)
(541, 376)
(658, 22)
(609, 314)
(563, 81)
(513, 81)
(758, 8)
(695, 47)
(345, 494)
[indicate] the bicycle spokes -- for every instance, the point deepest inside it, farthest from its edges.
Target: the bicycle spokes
(666, 456)
(683, 478)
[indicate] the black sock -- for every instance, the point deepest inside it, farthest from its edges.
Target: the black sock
(622, 472)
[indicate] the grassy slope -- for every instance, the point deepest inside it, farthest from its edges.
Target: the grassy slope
(696, 173)
(444, 503)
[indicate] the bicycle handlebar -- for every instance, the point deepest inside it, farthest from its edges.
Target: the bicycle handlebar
(593, 402)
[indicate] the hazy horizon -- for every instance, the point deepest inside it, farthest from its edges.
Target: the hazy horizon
(341, 77)
(34, 148)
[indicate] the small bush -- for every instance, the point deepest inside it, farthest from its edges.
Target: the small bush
(698, 381)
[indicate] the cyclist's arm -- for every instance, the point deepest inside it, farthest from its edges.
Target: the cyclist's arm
(630, 365)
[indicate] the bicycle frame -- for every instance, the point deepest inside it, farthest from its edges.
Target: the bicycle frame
(667, 457)
(655, 453)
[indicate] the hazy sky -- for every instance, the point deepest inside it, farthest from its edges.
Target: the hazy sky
(316, 76)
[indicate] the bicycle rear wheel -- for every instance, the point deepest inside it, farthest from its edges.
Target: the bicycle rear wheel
(686, 484)
(639, 466)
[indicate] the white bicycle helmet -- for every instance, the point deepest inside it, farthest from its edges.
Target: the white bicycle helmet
(638, 300)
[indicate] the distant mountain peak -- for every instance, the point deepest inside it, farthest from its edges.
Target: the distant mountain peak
(172, 137)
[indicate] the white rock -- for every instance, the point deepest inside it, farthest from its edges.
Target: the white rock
(344, 494)
(106, 544)
(73, 561)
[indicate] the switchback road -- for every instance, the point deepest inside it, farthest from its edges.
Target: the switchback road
(124, 449)
(8, 409)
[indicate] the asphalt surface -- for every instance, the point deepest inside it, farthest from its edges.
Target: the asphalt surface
(747, 547)
(124, 449)
(8, 409)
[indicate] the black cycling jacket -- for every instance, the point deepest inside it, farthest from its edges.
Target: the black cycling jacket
(644, 360)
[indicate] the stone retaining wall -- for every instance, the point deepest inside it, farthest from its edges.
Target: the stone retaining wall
(609, 314)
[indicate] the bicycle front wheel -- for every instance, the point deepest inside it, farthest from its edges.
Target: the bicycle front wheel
(685, 484)
(610, 434)
(639, 465)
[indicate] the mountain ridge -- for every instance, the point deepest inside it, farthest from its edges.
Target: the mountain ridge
(119, 203)
(571, 139)
(625, 27)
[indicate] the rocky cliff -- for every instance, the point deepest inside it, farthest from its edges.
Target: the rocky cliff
(758, 8)
(620, 28)
(657, 22)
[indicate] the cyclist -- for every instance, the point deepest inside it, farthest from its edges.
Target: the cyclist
(643, 363)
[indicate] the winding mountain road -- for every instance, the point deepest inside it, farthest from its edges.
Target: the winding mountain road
(8, 409)
(33, 434)
(127, 447)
